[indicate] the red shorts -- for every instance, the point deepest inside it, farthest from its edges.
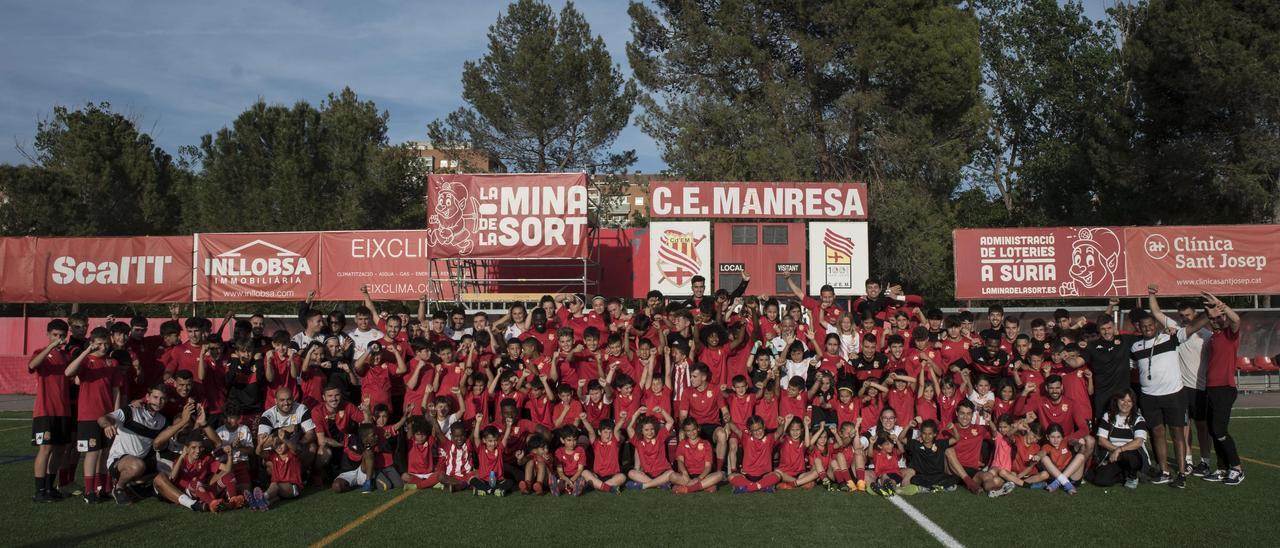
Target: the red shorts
(240, 471)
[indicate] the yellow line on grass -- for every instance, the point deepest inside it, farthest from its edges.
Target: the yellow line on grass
(360, 520)
(14, 428)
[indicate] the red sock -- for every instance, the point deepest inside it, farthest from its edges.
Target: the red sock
(860, 474)
(842, 476)
(739, 481)
(91, 484)
(228, 482)
(769, 480)
(694, 487)
(719, 463)
(671, 450)
(102, 482)
(426, 483)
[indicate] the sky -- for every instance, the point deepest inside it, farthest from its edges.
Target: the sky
(182, 69)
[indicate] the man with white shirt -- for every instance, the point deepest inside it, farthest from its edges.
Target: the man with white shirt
(364, 332)
(1160, 376)
(1194, 356)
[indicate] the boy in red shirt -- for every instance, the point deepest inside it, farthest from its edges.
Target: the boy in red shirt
(198, 479)
(964, 455)
(101, 392)
(693, 462)
(281, 457)
(420, 460)
(705, 404)
(605, 473)
(51, 421)
(489, 478)
(571, 462)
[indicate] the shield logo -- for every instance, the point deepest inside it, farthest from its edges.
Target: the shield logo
(838, 258)
(678, 257)
(1064, 406)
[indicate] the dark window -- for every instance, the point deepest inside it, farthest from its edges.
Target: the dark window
(730, 281)
(775, 234)
(781, 287)
(744, 235)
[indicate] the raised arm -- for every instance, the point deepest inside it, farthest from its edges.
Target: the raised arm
(368, 302)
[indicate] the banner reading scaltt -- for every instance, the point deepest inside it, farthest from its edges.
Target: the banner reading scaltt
(507, 216)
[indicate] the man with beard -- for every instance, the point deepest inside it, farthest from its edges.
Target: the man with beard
(136, 434)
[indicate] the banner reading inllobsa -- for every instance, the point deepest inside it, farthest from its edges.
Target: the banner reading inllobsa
(1038, 263)
(507, 215)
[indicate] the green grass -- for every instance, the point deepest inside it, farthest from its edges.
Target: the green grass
(1202, 514)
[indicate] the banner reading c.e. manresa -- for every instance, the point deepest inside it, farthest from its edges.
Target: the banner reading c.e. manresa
(507, 215)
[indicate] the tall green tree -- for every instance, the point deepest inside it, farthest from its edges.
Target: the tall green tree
(546, 97)
(882, 92)
(1053, 85)
(305, 168)
(94, 174)
(1207, 101)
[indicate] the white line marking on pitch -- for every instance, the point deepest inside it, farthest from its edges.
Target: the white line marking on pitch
(938, 534)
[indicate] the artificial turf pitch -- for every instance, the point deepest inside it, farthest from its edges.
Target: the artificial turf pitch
(1202, 514)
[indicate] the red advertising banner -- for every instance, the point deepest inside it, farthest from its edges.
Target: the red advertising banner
(393, 263)
(18, 270)
(507, 215)
(1040, 263)
(257, 266)
(113, 270)
(1185, 260)
(699, 200)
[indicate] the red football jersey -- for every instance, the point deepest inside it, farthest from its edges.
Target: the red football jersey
(53, 390)
(703, 405)
(757, 455)
(791, 456)
(969, 444)
(285, 468)
(421, 456)
(100, 381)
(695, 454)
(652, 454)
(571, 461)
(605, 458)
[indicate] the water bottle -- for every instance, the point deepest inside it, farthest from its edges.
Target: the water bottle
(493, 480)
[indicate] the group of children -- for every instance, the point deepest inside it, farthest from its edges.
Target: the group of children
(574, 396)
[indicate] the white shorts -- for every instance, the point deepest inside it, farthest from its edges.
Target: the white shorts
(354, 477)
(419, 476)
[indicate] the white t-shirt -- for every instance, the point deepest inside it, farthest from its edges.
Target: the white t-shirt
(1159, 367)
(135, 436)
(1193, 356)
(794, 369)
(241, 441)
(360, 340)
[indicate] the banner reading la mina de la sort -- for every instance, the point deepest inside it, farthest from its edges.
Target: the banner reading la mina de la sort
(541, 215)
(1071, 262)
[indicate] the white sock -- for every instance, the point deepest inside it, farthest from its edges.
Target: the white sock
(1062, 480)
(1204, 460)
(184, 500)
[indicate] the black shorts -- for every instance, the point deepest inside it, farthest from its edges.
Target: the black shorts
(1168, 409)
(90, 437)
(972, 471)
(930, 480)
(897, 478)
(1197, 403)
(52, 430)
(708, 431)
(148, 461)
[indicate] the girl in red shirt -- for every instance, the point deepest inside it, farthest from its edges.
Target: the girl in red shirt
(1063, 465)
(756, 473)
(421, 472)
(887, 473)
(652, 468)
(792, 469)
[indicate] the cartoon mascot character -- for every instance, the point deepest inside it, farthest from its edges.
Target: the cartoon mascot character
(454, 219)
(1095, 256)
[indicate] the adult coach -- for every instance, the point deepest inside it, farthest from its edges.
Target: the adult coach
(1108, 358)
(137, 433)
(1220, 388)
(1160, 376)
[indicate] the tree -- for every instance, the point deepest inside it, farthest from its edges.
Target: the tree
(1052, 84)
(1206, 111)
(94, 174)
(305, 168)
(884, 92)
(546, 96)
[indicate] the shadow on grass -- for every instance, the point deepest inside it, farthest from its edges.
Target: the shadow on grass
(73, 540)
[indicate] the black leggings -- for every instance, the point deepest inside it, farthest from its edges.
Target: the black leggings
(503, 485)
(1220, 399)
(1125, 467)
